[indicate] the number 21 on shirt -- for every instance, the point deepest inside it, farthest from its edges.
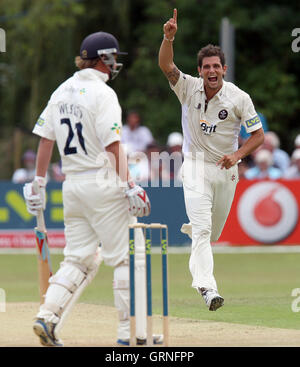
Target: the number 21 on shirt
(68, 149)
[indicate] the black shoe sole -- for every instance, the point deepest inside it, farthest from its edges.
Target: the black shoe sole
(216, 303)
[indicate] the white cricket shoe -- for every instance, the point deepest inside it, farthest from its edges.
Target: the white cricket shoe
(45, 331)
(212, 298)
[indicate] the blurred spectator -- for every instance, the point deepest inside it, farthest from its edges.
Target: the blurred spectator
(281, 159)
(263, 169)
(135, 136)
(138, 166)
(243, 167)
(294, 170)
(158, 164)
(150, 165)
(26, 174)
(174, 145)
(297, 142)
(174, 142)
(56, 173)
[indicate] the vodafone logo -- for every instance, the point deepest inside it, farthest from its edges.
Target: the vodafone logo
(268, 212)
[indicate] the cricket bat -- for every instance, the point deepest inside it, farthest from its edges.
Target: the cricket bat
(43, 254)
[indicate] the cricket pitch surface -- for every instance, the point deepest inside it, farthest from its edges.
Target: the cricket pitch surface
(92, 325)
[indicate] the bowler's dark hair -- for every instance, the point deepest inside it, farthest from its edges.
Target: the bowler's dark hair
(208, 51)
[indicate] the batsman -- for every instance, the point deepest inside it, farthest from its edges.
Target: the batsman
(212, 113)
(83, 117)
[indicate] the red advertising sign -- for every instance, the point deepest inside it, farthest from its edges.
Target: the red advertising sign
(264, 212)
(26, 239)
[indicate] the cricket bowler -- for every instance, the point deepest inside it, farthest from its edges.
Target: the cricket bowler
(212, 113)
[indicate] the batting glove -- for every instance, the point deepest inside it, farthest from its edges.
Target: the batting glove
(139, 203)
(35, 201)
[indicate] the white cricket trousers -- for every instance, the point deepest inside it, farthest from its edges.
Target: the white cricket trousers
(94, 212)
(208, 195)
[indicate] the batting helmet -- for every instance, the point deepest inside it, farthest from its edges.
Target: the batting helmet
(96, 43)
(105, 46)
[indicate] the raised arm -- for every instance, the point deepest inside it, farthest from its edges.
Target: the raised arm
(166, 53)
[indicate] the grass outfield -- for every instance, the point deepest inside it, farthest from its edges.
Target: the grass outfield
(257, 287)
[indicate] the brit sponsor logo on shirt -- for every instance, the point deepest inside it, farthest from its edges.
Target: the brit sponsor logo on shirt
(207, 127)
(254, 121)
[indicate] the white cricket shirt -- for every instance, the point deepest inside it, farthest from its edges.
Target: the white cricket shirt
(213, 128)
(83, 115)
(138, 139)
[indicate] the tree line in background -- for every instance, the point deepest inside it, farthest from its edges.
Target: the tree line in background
(44, 36)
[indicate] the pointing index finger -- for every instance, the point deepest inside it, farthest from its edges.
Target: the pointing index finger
(175, 15)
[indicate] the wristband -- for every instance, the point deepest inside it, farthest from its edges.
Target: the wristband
(167, 39)
(41, 180)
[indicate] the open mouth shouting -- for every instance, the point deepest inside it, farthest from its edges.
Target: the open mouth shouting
(213, 79)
